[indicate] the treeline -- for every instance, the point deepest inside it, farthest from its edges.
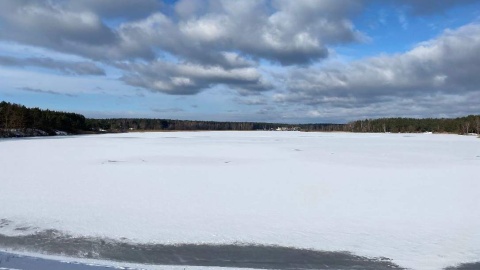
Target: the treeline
(17, 119)
(461, 125)
(322, 127)
(146, 124)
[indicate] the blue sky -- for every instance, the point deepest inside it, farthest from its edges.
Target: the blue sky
(252, 60)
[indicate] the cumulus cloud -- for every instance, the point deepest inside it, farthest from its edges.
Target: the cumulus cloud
(446, 66)
(187, 46)
(46, 24)
(187, 79)
(279, 31)
(224, 40)
(71, 68)
(276, 30)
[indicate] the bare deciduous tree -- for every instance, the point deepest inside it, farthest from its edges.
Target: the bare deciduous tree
(466, 127)
(477, 122)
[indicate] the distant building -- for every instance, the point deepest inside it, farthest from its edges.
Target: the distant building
(287, 129)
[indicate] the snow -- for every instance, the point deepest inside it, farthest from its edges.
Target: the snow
(409, 197)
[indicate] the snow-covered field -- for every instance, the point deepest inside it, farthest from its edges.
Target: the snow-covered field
(413, 198)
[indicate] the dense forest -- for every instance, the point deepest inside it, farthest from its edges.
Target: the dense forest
(461, 125)
(18, 121)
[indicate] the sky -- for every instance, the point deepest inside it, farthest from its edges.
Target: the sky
(302, 61)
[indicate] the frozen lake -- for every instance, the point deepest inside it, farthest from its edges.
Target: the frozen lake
(412, 198)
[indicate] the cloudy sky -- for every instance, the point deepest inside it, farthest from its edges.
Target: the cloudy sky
(295, 61)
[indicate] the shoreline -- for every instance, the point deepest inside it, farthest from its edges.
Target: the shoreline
(253, 256)
(2, 136)
(10, 260)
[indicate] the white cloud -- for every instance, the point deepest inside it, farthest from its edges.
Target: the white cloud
(46, 24)
(224, 40)
(275, 30)
(207, 29)
(189, 79)
(446, 66)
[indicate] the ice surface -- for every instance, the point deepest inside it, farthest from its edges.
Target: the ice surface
(28, 261)
(413, 198)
